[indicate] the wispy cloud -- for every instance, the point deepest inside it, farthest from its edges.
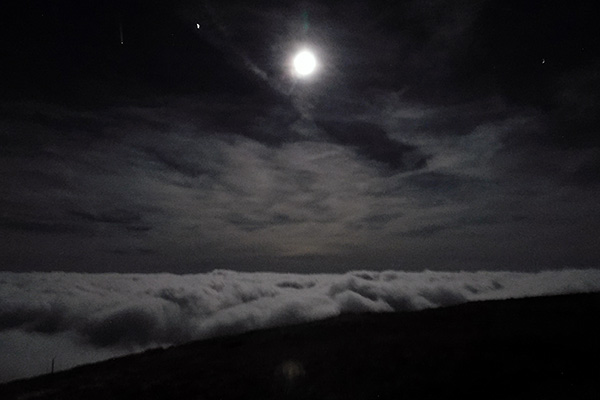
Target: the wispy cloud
(414, 135)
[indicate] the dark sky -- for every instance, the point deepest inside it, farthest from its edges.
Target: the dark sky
(445, 135)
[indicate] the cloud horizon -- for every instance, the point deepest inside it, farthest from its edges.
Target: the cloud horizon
(81, 318)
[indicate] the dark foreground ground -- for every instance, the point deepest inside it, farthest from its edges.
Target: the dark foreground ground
(538, 348)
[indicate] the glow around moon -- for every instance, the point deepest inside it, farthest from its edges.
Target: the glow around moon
(304, 63)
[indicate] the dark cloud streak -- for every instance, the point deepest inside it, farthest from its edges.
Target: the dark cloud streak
(373, 142)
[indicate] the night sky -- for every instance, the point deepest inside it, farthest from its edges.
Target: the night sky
(174, 136)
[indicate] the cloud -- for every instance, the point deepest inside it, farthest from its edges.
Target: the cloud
(37, 226)
(118, 313)
(204, 190)
(397, 146)
(114, 216)
(373, 142)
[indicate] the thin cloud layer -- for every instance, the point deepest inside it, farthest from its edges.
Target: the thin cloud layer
(80, 318)
(391, 182)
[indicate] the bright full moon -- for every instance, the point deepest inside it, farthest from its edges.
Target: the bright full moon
(304, 63)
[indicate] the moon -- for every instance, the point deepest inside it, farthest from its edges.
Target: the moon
(304, 63)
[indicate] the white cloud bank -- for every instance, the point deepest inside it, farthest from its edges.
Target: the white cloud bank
(80, 318)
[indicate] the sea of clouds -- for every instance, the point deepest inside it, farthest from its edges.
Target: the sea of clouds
(80, 318)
